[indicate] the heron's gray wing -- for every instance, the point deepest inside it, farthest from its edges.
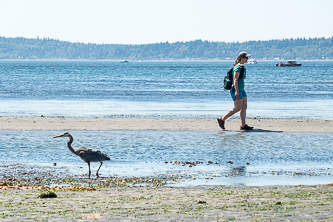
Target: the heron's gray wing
(92, 155)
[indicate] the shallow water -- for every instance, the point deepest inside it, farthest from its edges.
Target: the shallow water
(319, 109)
(161, 89)
(258, 158)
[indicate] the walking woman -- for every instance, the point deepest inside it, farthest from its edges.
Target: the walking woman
(238, 93)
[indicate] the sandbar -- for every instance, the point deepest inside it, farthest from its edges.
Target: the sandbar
(105, 124)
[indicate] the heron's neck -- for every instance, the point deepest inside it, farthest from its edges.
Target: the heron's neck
(69, 144)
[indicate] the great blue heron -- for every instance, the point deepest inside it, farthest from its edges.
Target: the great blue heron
(86, 154)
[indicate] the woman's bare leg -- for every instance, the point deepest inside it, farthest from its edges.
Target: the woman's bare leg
(238, 104)
(243, 111)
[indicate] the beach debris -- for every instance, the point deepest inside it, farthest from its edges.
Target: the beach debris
(9, 186)
(72, 184)
(247, 163)
(54, 164)
(5, 184)
(209, 162)
(278, 203)
(202, 202)
(94, 216)
(48, 194)
(184, 163)
(230, 162)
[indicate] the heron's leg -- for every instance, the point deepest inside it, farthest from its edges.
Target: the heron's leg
(89, 169)
(98, 169)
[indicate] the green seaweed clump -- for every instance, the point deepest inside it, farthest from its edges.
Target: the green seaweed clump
(48, 194)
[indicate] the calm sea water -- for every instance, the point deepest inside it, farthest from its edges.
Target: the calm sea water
(161, 89)
(177, 90)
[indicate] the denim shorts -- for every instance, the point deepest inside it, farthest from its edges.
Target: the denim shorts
(242, 94)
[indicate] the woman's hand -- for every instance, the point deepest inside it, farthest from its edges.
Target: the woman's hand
(237, 94)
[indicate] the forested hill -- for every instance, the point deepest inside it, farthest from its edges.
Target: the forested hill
(300, 48)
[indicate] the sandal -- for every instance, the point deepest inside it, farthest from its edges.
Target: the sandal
(221, 123)
(246, 127)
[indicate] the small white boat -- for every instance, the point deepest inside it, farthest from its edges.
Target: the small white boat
(252, 61)
(123, 61)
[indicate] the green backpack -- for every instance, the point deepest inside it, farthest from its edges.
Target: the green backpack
(228, 79)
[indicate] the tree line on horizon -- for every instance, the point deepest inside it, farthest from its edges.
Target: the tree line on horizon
(299, 48)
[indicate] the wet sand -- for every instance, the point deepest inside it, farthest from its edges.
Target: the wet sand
(171, 204)
(66, 124)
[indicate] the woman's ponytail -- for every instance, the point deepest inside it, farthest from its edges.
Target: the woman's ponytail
(237, 60)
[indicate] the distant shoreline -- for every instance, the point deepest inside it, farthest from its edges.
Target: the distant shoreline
(299, 48)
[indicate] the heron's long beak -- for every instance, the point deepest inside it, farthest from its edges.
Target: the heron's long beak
(57, 136)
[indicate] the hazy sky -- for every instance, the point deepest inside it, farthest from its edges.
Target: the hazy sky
(153, 21)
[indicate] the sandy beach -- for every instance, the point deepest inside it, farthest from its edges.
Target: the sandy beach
(67, 124)
(298, 203)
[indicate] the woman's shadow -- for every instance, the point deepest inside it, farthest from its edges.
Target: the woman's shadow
(261, 131)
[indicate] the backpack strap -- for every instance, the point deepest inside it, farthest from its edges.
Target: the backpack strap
(242, 71)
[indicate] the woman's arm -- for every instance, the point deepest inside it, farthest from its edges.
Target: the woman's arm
(236, 76)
